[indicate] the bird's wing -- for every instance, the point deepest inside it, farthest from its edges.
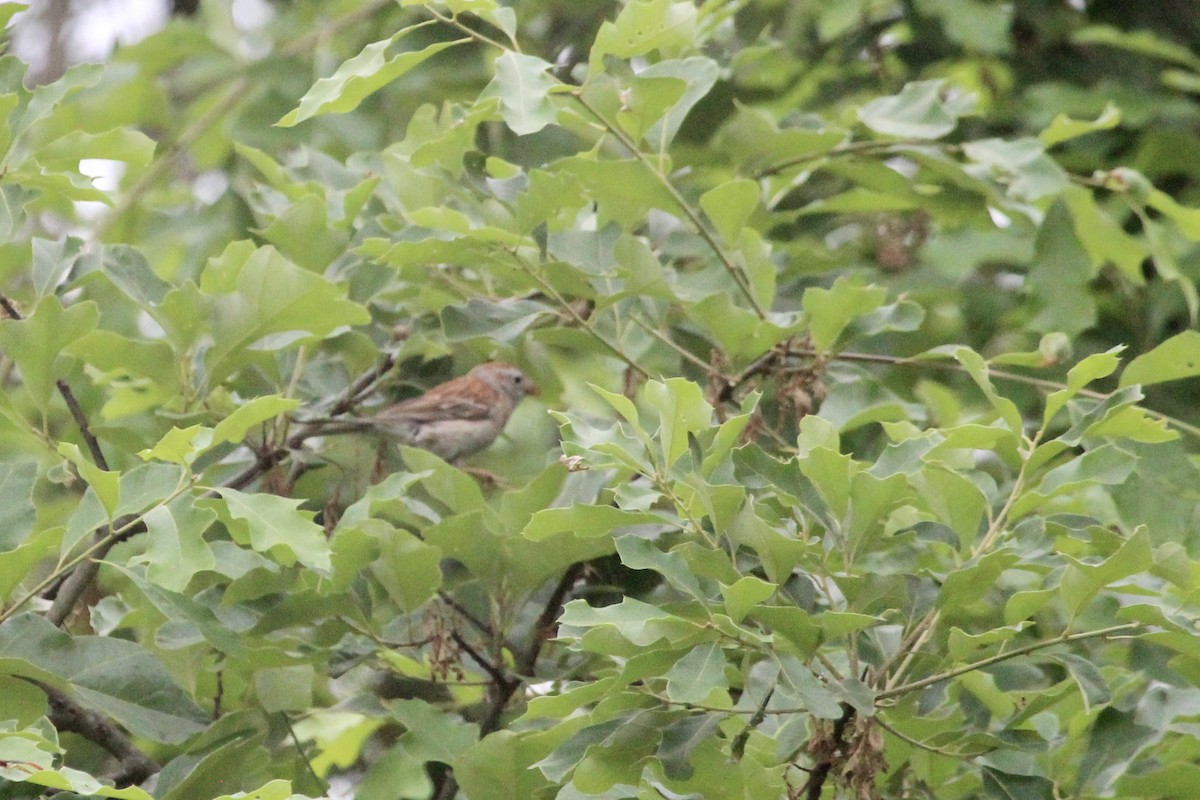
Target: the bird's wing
(441, 403)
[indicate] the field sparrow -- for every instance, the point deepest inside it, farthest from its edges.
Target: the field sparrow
(453, 419)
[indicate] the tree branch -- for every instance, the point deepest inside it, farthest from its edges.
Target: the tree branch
(830, 755)
(67, 715)
(81, 421)
(505, 686)
(987, 662)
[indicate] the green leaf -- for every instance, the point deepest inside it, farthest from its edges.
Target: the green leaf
(458, 491)
(584, 520)
(831, 310)
(275, 527)
(681, 739)
(625, 191)
(284, 688)
(1144, 42)
(1103, 237)
(975, 366)
(234, 427)
(1022, 164)
(432, 735)
(180, 445)
(409, 569)
(799, 682)
(739, 331)
(1081, 582)
(973, 581)
(976, 25)
(36, 342)
(1092, 368)
(1105, 465)
(695, 676)
(730, 205)
(43, 102)
(682, 412)
(639, 553)
(359, 77)
(1005, 786)
(742, 597)
(106, 484)
(17, 509)
(794, 625)
(175, 546)
(66, 779)
(262, 302)
(644, 101)
(303, 233)
(569, 699)
(640, 623)
(918, 112)
(644, 26)
(1063, 128)
(1174, 359)
(499, 767)
(184, 611)
(524, 89)
(119, 144)
(17, 561)
(117, 677)
(963, 646)
(1174, 780)
(699, 76)
(1187, 220)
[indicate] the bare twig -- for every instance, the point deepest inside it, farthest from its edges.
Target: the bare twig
(9, 308)
(987, 662)
(85, 430)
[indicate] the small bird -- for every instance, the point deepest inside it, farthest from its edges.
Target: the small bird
(453, 419)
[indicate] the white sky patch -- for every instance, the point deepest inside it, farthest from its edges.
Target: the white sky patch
(97, 27)
(106, 176)
(209, 187)
(251, 15)
(999, 218)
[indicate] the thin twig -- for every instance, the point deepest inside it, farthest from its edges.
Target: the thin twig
(345, 401)
(85, 430)
(497, 674)
(465, 613)
(505, 686)
(304, 756)
(693, 216)
(474, 34)
(914, 742)
(9, 308)
(824, 765)
(68, 716)
(987, 662)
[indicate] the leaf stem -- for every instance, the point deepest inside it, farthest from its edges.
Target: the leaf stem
(453, 21)
(578, 318)
(1015, 377)
(693, 216)
(908, 688)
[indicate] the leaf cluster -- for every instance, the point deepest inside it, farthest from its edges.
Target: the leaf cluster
(862, 464)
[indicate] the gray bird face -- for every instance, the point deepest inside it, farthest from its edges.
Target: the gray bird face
(507, 379)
